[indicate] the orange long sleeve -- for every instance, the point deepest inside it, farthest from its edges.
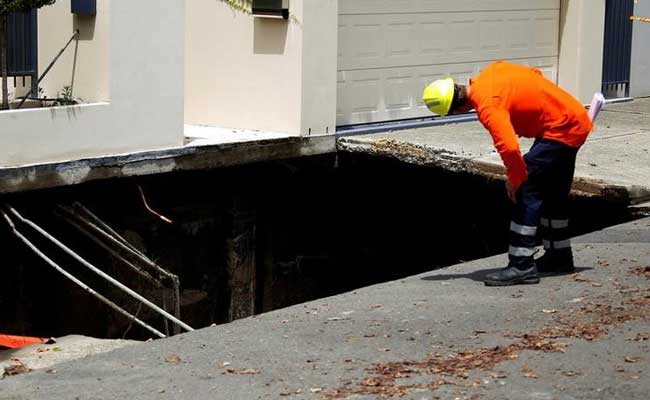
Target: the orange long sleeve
(497, 122)
(516, 100)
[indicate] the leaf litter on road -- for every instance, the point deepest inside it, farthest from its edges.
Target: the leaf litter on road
(17, 368)
(590, 321)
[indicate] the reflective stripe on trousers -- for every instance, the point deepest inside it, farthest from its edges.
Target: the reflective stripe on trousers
(557, 245)
(542, 201)
(555, 223)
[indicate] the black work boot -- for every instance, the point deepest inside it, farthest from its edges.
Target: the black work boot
(511, 275)
(556, 262)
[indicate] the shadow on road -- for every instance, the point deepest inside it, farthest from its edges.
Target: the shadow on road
(479, 276)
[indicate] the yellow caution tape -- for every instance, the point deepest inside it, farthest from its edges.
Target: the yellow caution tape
(640, 19)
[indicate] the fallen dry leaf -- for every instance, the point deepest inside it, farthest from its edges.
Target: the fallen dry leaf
(528, 373)
(316, 390)
(641, 271)
(371, 382)
(16, 369)
(549, 311)
(247, 371)
(640, 337)
(173, 359)
(632, 359)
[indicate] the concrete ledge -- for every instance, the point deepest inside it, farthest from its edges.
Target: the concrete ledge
(438, 157)
(612, 164)
(203, 157)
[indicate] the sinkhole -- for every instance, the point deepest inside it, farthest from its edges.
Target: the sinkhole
(253, 238)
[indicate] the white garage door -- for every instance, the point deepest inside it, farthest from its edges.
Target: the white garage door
(389, 50)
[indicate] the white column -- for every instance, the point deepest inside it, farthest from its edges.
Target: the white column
(582, 30)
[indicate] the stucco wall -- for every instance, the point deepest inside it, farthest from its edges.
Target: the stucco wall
(582, 31)
(145, 86)
(263, 74)
(86, 63)
(319, 65)
(242, 72)
(640, 73)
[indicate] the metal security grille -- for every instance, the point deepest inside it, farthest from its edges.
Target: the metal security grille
(618, 47)
(22, 54)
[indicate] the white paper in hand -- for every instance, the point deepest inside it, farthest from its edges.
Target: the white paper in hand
(597, 103)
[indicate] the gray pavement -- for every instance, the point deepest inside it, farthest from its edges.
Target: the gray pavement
(614, 163)
(441, 334)
(47, 356)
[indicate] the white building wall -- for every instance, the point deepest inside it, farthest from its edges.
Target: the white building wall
(241, 71)
(582, 32)
(319, 59)
(259, 73)
(143, 85)
(640, 73)
(85, 65)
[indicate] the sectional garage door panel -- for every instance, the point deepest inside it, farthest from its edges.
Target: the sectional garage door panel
(422, 6)
(385, 40)
(384, 94)
(387, 57)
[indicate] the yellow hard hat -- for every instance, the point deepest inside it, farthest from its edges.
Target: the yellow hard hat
(439, 95)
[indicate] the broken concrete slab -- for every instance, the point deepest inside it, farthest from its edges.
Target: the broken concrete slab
(613, 164)
(67, 348)
(199, 154)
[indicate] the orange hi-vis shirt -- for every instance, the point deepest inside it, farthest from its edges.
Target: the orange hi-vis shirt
(515, 100)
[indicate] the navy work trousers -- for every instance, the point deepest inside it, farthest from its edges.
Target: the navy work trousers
(543, 200)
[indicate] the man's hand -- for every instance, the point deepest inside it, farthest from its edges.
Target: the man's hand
(512, 193)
